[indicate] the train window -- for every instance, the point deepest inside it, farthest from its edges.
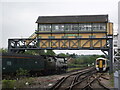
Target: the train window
(36, 62)
(103, 61)
(9, 63)
(97, 62)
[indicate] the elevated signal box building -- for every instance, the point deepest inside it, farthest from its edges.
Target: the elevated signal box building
(74, 28)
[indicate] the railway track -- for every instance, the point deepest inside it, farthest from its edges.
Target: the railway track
(86, 79)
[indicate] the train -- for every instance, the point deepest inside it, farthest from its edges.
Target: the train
(35, 64)
(102, 64)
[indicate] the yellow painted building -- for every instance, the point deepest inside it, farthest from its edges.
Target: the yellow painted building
(73, 31)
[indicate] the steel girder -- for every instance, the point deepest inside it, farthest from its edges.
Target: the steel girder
(60, 44)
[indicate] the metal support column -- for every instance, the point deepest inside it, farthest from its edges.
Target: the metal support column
(110, 54)
(9, 50)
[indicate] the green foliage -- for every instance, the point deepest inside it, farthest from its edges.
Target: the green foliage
(3, 50)
(40, 52)
(8, 83)
(35, 52)
(22, 72)
(84, 60)
(73, 55)
(23, 82)
(112, 79)
(50, 52)
(64, 55)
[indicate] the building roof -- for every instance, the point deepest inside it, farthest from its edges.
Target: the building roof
(72, 19)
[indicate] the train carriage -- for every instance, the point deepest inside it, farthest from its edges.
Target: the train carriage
(35, 64)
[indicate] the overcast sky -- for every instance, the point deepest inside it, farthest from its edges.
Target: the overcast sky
(19, 16)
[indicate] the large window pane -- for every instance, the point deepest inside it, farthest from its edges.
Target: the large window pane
(45, 27)
(58, 27)
(85, 27)
(75, 27)
(68, 27)
(99, 26)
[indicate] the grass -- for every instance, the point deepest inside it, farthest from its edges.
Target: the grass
(8, 83)
(112, 80)
(21, 83)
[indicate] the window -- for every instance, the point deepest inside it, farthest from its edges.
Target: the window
(99, 26)
(64, 36)
(9, 63)
(68, 27)
(96, 26)
(92, 36)
(90, 26)
(45, 27)
(51, 37)
(61, 27)
(85, 27)
(78, 36)
(58, 27)
(39, 36)
(75, 27)
(82, 27)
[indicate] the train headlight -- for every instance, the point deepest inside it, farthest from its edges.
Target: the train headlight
(103, 65)
(96, 65)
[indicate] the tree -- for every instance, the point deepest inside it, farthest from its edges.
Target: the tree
(35, 52)
(61, 54)
(50, 52)
(73, 55)
(3, 50)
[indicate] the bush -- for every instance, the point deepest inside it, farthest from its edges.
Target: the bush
(22, 73)
(8, 83)
(22, 83)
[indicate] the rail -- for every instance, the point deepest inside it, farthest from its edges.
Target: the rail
(78, 80)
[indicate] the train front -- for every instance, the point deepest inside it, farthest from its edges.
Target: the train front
(101, 64)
